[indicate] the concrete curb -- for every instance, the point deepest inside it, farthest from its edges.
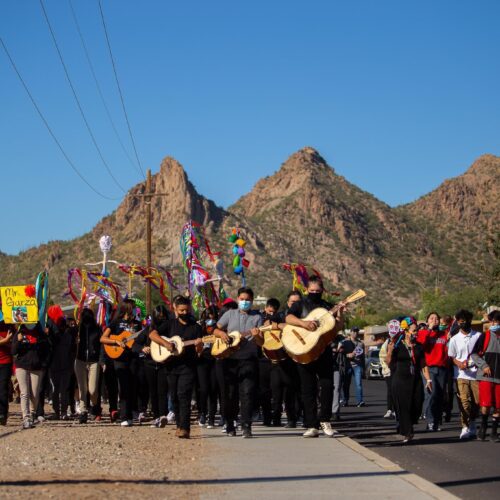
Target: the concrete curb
(419, 482)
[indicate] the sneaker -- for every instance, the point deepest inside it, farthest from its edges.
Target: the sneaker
(183, 434)
(156, 423)
(335, 417)
(171, 417)
(291, 425)
(473, 430)
(465, 434)
(361, 404)
(311, 433)
(40, 419)
(211, 424)
(202, 420)
(388, 414)
(113, 416)
(162, 422)
(407, 439)
(97, 418)
(27, 423)
(141, 417)
(246, 432)
(231, 433)
(127, 423)
(82, 419)
(326, 427)
(224, 429)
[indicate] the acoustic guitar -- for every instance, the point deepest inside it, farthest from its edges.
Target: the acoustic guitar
(127, 337)
(273, 346)
(304, 346)
(160, 353)
(221, 349)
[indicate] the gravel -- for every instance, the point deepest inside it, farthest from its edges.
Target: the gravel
(63, 458)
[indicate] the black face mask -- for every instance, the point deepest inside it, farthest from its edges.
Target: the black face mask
(183, 317)
(465, 327)
(315, 298)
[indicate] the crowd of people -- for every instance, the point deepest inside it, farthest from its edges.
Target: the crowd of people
(423, 365)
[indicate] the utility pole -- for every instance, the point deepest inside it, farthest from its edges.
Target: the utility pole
(147, 200)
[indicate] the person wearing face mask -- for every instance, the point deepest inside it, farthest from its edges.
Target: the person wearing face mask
(486, 356)
(459, 349)
(318, 373)
(407, 362)
(240, 368)
(181, 369)
(435, 344)
(354, 351)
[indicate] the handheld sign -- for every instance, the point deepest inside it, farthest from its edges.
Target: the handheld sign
(19, 304)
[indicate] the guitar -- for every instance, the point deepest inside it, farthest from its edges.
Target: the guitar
(127, 337)
(221, 349)
(161, 354)
(305, 346)
(273, 346)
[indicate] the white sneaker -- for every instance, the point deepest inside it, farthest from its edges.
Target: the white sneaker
(127, 423)
(465, 434)
(388, 414)
(163, 421)
(473, 429)
(171, 417)
(156, 423)
(326, 427)
(311, 433)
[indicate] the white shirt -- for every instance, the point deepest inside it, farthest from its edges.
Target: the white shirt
(460, 347)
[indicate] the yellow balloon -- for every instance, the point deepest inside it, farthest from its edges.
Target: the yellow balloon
(240, 242)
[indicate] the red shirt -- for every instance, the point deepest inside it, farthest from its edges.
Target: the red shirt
(435, 344)
(5, 354)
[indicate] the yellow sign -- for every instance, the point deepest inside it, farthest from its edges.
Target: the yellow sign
(17, 307)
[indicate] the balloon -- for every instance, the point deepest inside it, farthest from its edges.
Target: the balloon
(236, 250)
(233, 238)
(240, 251)
(238, 269)
(245, 262)
(236, 261)
(240, 242)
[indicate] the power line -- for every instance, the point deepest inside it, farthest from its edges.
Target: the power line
(68, 159)
(119, 88)
(101, 95)
(76, 98)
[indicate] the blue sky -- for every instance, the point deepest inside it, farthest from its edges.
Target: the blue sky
(397, 96)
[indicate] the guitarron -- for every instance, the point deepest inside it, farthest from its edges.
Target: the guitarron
(161, 354)
(305, 346)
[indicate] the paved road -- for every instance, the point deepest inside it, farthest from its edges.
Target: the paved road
(468, 469)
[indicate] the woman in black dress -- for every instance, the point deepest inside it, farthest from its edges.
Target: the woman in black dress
(406, 360)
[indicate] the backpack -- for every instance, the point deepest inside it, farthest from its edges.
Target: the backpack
(486, 342)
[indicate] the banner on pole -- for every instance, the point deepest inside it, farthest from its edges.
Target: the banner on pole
(19, 304)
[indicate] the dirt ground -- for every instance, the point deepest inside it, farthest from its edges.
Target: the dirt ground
(64, 459)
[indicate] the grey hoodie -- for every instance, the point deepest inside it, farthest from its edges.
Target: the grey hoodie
(490, 357)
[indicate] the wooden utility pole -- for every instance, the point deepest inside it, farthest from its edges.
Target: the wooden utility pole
(147, 200)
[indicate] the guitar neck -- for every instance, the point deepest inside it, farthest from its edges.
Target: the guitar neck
(208, 339)
(360, 294)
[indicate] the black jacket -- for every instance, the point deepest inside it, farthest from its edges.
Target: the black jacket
(89, 342)
(32, 350)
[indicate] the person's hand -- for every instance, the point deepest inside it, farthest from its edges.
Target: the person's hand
(462, 365)
(198, 342)
(8, 336)
(310, 325)
(487, 371)
(256, 332)
(225, 337)
(121, 344)
(103, 367)
(169, 346)
(350, 355)
(428, 385)
(146, 350)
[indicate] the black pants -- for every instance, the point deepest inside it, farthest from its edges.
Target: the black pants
(318, 373)
(408, 394)
(111, 383)
(264, 389)
(60, 380)
(346, 383)
(140, 386)
(449, 394)
(5, 374)
(126, 391)
(207, 382)
(284, 385)
(180, 384)
(45, 390)
(390, 403)
(219, 375)
(157, 377)
(239, 380)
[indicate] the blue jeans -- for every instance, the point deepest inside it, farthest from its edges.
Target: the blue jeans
(358, 374)
(434, 413)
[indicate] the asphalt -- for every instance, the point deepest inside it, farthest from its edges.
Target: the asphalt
(467, 469)
(280, 463)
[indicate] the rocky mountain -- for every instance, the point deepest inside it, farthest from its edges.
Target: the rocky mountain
(305, 212)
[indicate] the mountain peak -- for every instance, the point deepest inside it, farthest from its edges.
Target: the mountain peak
(305, 158)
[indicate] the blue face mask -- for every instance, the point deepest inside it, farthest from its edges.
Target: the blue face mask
(245, 305)
(494, 328)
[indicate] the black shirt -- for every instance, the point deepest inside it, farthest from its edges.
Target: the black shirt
(118, 326)
(189, 331)
(303, 307)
